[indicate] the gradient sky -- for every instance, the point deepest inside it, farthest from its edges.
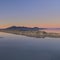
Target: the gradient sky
(39, 13)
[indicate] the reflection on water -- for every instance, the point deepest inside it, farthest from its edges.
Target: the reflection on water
(53, 31)
(16, 47)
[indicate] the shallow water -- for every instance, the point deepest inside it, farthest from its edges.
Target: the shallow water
(52, 31)
(17, 47)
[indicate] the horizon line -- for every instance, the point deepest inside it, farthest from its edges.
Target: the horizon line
(32, 27)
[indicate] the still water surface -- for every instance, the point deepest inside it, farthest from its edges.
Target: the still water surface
(52, 31)
(16, 47)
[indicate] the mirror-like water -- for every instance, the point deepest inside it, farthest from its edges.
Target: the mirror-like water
(17, 47)
(53, 31)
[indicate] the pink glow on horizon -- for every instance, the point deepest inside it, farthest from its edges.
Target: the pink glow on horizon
(32, 25)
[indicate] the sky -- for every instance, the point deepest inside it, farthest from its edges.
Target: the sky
(30, 13)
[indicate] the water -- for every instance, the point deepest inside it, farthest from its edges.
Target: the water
(17, 47)
(52, 31)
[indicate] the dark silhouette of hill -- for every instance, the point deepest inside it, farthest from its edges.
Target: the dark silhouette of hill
(24, 28)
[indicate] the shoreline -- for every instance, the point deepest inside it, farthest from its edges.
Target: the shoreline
(37, 34)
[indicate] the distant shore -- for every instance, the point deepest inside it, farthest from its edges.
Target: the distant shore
(37, 34)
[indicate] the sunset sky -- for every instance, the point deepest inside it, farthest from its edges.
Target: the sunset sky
(30, 13)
